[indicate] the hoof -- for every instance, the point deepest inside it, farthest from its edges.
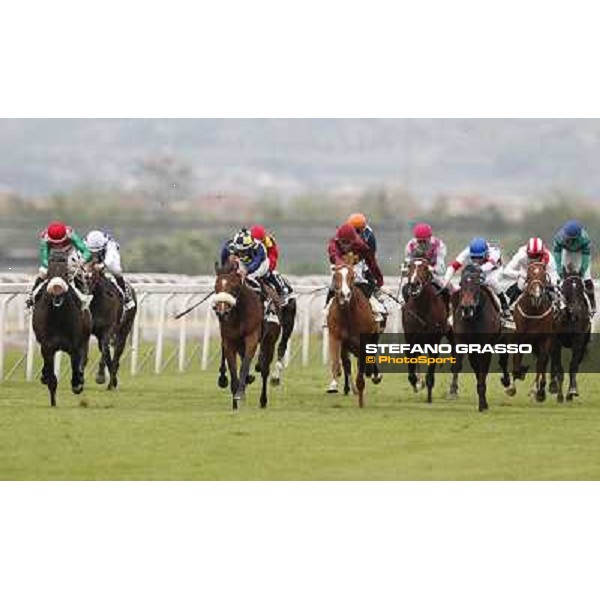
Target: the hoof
(77, 389)
(376, 379)
(333, 388)
(223, 382)
(451, 396)
(257, 367)
(100, 379)
(553, 387)
(483, 408)
(540, 396)
(560, 398)
(250, 379)
(510, 391)
(275, 381)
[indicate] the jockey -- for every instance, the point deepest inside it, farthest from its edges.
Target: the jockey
(426, 246)
(254, 261)
(489, 258)
(59, 235)
(273, 277)
(572, 245)
(347, 241)
(359, 222)
(105, 251)
(534, 251)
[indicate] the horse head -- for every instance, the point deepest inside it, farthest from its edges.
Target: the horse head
(470, 291)
(58, 276)
(342, 283)
(228, 287)
(573, 291)
(536, 283)
(420, 274)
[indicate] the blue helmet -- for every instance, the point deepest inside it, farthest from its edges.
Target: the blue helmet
(478, 248)
(572, 229)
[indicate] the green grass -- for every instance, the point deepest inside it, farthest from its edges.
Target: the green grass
(182, 427)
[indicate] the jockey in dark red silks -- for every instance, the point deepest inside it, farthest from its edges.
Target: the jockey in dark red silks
(346, 242)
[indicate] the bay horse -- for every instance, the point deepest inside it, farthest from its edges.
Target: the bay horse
(534, 323)
(424, 317)
(349, 317)
(243, 328)
(110, 324)
(60, 323)
(477, 321)
(573, 331)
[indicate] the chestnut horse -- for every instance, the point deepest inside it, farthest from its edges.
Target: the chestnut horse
(349, 317)
(424, 317)
(573, 331)
(243, 328)
(477, 321)
(534, 323)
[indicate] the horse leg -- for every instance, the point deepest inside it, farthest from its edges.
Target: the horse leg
(267, 350)
(542, 366)
(48, 375)
(430, 380)
(503, 362)
(101, 374)
(576, 358)
(120, 342)
(558, 373)
(77, 372)
(335, 353)
(360, 384)
(250, 345)
(511, 390)
(481, 368)
(347, 370)
(222, 381)
(230, 354)
(288, 318)
(456, 368)
(106, 354)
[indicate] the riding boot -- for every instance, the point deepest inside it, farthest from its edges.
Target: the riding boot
(129, 302)
(513, 292)
(589, 290)
(275, 282)
(506, 314)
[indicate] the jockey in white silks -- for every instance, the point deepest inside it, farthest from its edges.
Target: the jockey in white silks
(489, 258)
(535, 251)
(105, 250)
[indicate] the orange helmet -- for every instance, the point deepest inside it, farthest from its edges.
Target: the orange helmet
(357, 220)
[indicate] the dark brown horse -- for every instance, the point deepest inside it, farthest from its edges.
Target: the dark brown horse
(349, 317)
(243, 328)
(424, 317)
(534, 323)
(110, 324)
(573, 331)
(60, 324)
(477, 321)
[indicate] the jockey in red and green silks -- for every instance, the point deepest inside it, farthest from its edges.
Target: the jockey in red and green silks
(573, 246)
(58, 235)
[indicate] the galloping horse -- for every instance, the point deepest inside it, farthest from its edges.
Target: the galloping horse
(477, 321)
(243, 327)
(424, 317)
(349, 317)
(59, 323)
(109, 324)
(534, 323)
(573, 330)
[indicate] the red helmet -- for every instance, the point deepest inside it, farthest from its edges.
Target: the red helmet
(57, 232)
(535, 248)
(422, 231)
(346, 233)
(258, 232)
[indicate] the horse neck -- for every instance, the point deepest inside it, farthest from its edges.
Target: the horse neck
(422, 303)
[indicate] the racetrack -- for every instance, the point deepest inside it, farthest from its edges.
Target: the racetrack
(181, 427)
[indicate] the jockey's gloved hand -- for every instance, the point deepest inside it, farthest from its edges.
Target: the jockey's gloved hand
(98, 266)
(42, 272)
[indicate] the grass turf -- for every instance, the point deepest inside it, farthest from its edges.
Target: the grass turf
(181, 427)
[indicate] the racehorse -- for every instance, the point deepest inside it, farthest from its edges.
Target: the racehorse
(424, 317)
(59, 323)
(110, 324)
(349, 317)
(477, 321)
(288, 320)
(243, 327)
(573, 330)
(534, 322)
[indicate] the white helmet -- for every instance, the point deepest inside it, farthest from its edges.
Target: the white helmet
(96, 240)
